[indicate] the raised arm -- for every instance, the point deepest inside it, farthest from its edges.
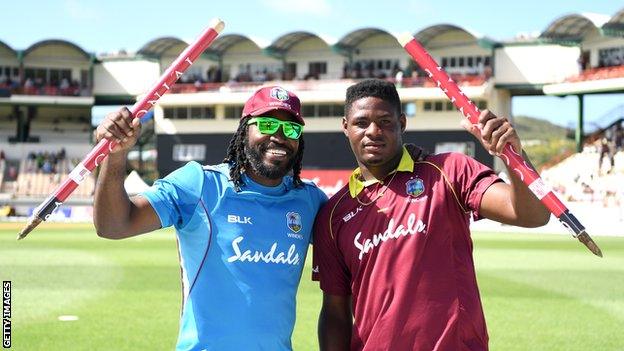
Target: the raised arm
(115, 215)
(335, 323)
(511, 203)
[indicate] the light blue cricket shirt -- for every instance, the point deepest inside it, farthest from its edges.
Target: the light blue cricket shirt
(242, 255)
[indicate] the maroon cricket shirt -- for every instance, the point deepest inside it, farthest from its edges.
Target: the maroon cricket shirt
(406, 256)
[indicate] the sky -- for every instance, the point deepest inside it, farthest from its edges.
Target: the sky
(106, 26)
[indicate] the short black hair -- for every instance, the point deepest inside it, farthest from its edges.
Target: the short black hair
(378, 88)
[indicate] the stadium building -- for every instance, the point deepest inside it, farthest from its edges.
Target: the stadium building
(49, 90)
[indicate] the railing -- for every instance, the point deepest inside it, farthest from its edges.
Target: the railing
(598, 73)
(46, 90)
(323, 84)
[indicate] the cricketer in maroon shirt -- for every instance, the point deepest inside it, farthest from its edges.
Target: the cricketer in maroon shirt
(406, 256)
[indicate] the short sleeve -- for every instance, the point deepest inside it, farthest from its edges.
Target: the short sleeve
(471, 179)
(328, 265)
(175, 197)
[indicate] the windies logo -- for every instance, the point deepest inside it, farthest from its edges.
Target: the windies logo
(279, 94)
(414, 187)
(293, 219)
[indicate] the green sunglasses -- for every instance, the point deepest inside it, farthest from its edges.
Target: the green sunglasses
(270, 126)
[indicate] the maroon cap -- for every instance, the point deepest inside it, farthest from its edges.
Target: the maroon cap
(273, 98)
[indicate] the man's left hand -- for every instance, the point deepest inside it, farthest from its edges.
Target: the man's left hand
(493, 132)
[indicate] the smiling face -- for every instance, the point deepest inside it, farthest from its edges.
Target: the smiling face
(271, 156)
(374, 131)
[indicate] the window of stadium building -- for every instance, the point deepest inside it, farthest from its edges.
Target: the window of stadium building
(611, 57)
(9, 72)
(409, 108)
(233, 111)
(466, 148)
(189, 152)
(376, 64)
(316, 68)
(465, 64)
(52, 76)
(322, 110)
(440, 106)
(190, 112)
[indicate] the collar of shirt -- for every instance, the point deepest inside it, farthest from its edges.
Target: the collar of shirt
(252, 185)
(356, 185)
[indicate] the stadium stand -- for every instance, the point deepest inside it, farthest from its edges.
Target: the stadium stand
(599, 73)
(35, 181)
(594, 175)
(48, 90)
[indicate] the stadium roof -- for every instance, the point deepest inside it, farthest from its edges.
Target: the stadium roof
(7, 47)
(356, 37)
(424, 36)
(157, 47)
(284, 43)
(61, 42)
(222, 44)
(616, 24)
(574, 27)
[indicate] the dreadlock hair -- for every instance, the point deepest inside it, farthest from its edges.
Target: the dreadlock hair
(238, 162)
(378, 88)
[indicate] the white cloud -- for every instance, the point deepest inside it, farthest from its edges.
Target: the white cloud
(80, 10)
(308, 7)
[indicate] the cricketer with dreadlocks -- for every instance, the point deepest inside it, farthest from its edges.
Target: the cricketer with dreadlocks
(243, 227)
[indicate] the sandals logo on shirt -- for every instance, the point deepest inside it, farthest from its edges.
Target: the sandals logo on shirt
(293, 220)
(414, 187)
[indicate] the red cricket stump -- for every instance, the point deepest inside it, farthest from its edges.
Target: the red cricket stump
(139, 109)
(512, 158)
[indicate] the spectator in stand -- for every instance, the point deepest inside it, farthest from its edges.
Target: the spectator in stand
(211, 73)
(2, 155)
(75, 88)
(398, 78)
(218, 76)
(618, 136)
(12, 173)
(47, 168)
(345, 70)
(606, 148)
(29, 84)
(61, 154)
(64, 84)
(39, 83)
(358, 70)
(11, 83)
(39, 160)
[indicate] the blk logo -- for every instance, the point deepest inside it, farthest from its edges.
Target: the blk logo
(239, 219)
(351, 214)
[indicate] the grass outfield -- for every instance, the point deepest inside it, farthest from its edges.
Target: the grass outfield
(540, 292)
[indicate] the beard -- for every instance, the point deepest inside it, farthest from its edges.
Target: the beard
(275, 170)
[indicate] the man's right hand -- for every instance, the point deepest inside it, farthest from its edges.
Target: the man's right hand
(121, 128)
